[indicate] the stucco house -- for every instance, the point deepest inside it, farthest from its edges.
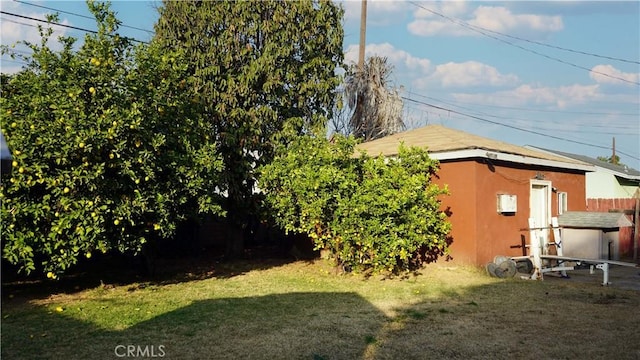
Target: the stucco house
(612, 187)
(495, 187)
(607, 181)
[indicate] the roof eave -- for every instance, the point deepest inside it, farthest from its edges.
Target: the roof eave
(496, 155)
(622, 175)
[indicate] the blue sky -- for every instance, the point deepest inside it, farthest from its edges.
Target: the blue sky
(474, 66)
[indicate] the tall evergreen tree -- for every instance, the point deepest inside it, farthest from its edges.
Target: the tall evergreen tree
(263, 72)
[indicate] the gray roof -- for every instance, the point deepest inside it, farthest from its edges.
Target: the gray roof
(438, 139)
(620, 170)
(593, 220)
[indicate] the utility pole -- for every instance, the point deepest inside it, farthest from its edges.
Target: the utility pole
(613, 156)
(363, 30)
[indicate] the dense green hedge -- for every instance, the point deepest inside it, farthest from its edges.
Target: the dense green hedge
(101, 161)
(372, 213)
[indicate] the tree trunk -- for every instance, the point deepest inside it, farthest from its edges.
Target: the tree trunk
(234, 241)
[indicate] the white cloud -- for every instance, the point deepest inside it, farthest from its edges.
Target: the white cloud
(14, 29)
(401, 60)
(17, 29)
(527, 95)
(502, 20)
(599, 74)
(423, 27)
(469, 73)
(379, 12)
(494, 18)
(449, 8)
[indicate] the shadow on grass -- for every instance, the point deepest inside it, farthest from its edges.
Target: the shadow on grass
(501, 319)
(516, 319)
(330, 325)
(119, 270)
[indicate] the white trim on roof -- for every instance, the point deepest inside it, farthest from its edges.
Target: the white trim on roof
(598, 168)
(495, 155)
(617, 173)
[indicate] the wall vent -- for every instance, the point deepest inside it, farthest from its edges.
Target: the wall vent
(507, 203)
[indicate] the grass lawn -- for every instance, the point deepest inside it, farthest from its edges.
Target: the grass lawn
(303, 310)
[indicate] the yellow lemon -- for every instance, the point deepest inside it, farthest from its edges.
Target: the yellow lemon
(92, 90)
(116, 222)
(14, 164)
(65, 190)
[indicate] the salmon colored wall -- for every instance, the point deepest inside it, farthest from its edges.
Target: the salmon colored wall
(479, 232)
(460, 177)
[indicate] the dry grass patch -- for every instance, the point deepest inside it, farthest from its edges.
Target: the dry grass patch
(303, 310)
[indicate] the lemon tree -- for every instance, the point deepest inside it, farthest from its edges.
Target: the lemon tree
(109, 153)
(372, 214)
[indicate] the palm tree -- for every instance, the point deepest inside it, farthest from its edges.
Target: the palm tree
(377, 110)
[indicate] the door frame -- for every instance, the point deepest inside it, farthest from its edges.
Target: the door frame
(546, 184)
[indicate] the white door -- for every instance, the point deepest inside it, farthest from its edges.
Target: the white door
(540, 209)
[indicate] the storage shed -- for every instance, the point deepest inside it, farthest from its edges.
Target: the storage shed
(592, 235)
(495, 187)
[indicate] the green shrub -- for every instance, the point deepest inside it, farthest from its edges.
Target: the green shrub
(379, 214)
(107, 154)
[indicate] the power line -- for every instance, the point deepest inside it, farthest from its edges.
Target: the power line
(622, 128)
(14, 61)
(547, 45)
(79, 15)
(553, 129)
(513, 127)
(559, 47)
(17, 22)
(529, 109)
(63, 25)
(630, 126)
(475, 29)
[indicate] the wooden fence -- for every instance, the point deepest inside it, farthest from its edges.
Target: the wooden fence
(626, 206)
